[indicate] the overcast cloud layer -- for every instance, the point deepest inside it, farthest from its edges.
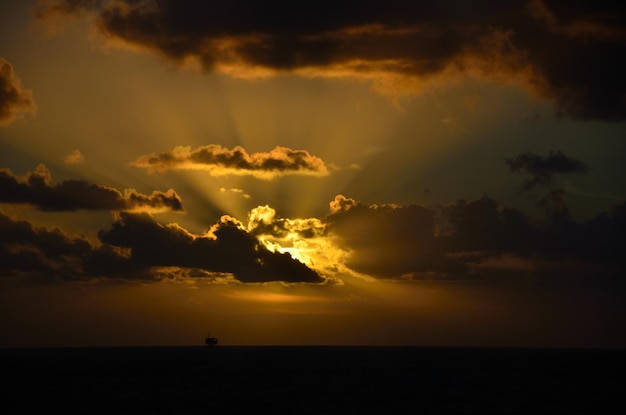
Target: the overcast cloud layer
(566, 52)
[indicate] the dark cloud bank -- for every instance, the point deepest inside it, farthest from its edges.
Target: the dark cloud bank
(567, 52)
(464, 240)
(481, 239)
(136, 247)
(36, 189)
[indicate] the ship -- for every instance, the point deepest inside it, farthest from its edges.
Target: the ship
(210, 341)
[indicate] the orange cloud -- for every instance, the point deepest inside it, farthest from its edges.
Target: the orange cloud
(220, 161)
(14, 100)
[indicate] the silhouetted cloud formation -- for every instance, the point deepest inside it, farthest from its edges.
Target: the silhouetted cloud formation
(137, 247)
(391, 240)
(220, 161)
(470, 238)
(541, 169)
(13, 98)
(227, 248)
(400, 47)
(36, 189)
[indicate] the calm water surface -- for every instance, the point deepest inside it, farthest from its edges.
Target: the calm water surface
(307, 380)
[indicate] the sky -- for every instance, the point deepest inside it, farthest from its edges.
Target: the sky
(433, 173)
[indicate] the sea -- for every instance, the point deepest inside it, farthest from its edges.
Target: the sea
(312, 380)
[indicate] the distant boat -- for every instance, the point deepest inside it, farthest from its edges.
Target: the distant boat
(210, 341)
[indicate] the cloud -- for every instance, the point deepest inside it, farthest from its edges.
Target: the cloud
(74, 158)
(542, 169)
(227, 248)
(236, 191)
(137, 247)
(13, 98)
(263, 220)
(220, 161)
(399, 48)
(36, 189)
(390, 241)
(479, 239)
(28, 251)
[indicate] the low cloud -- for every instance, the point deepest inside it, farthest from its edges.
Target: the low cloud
(226, 248)
(471, 239)
(37, 189)
(29, 251)
(399, 48)
(220, 161)
(543, 168)
(14, 99)
(390, 241)
(137, 247)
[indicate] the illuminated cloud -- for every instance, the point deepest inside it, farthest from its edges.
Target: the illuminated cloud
(220, 161)
(74, 158)
(305, 239)
(227, 248)
(400, 48)
(36, 189)
(262, 220)
(13, 98)
(541, 169)
(137, 247)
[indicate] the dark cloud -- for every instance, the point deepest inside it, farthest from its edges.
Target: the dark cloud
(542, 169)
(220, 161)
(479, 239)
(13, 98)
(29, 251)
(36, 189)
(392, 241)
(136, 247)
(228, 248)
(398, 46)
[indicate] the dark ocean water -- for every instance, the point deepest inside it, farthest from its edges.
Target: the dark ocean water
(313, 380)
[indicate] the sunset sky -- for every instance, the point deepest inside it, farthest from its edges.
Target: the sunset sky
(332, 172)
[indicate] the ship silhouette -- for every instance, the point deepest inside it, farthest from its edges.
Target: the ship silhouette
(210, 341)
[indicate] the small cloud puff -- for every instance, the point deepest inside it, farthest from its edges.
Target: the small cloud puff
(74, 158)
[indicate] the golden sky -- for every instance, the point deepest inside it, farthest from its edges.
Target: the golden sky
(328, 173)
